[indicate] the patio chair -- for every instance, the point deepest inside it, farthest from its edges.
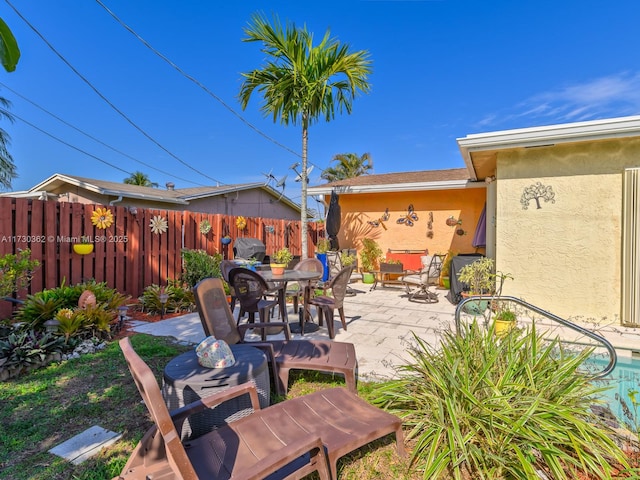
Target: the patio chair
(284, 355)
(280, 440)
(250, 289)
(327, 305)
(298, 290)
(334, 259)
(225, 267)
(417, 284)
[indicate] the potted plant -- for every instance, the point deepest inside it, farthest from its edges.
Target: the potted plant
(347, 259)
(84, 246)
(504, 320)
(369, 259)
(390, 271)
(226, 240)
(480, 280)
(280, 260)
(445, 281)
(322, 247)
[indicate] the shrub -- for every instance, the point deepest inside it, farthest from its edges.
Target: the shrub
(27, 347)
(500, 408)
(58, 302)
(198, 264)
(179, 298)
(16, 271)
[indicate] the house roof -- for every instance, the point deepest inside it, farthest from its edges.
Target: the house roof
(454, 178)
(179, 196)
(479, 151)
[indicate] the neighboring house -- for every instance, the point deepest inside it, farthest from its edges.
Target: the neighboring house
(377, 206)
(249, 199)
(566, 204)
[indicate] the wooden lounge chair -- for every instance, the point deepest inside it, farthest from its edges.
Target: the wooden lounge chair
(284, 355)
(292, 438)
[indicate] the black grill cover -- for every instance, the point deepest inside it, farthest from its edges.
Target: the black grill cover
(249, 248)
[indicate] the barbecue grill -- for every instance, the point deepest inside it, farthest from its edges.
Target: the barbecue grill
(246, 248)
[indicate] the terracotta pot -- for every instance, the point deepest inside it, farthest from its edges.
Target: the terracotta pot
(278, 268)
(83, 248)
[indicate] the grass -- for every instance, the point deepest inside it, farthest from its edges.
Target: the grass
(46, 407)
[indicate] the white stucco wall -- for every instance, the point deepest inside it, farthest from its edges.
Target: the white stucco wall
(566, 256)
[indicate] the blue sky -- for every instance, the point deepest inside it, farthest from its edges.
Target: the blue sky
(441, 70)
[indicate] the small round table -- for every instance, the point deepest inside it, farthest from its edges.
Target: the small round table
(186, 381)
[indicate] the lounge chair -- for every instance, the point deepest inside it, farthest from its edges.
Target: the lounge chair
(284, 355)
(417, 283)
(292, 438)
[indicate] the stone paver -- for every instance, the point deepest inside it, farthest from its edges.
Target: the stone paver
(381, 324)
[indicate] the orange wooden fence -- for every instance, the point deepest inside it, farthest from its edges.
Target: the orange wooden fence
(127, 255)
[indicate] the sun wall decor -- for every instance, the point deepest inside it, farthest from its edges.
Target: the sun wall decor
(158, 225)
(102, 218)
(241, 223)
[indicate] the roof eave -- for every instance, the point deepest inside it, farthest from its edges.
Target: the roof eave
(547, 136)
(394, 187)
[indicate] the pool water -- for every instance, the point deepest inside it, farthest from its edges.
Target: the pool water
(625, 377)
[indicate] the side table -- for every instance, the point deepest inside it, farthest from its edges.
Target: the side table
(185, 381)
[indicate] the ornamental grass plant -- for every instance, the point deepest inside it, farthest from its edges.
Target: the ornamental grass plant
(481, 406)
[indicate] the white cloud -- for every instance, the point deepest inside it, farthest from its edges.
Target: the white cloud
(612, 96)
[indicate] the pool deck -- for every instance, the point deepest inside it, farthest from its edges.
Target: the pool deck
(381, 324)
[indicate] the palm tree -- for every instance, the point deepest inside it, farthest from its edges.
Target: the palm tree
(349, 165)
(140, 179)
(7, 168)
(300, 82)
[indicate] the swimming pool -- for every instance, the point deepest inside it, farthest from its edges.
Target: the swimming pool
(623, 378)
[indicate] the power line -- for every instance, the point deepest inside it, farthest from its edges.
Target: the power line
(194, 80)
(105, 99)
(96, 139)
(69, 145)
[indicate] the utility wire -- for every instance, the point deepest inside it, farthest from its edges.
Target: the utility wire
(194, 80)
(97, 139)
(122, 114)
(69, 145)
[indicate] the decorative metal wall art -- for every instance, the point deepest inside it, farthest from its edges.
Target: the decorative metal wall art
(430, 226)
(409, 218)
(380, 221)
(537, 192)
(453, 221)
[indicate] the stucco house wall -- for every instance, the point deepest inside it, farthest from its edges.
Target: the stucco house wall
(565, 256)
(464, 204)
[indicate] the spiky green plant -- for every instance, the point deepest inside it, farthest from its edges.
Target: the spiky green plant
(485, 407)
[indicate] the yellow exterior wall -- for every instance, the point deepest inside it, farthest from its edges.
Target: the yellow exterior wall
(566, 256)
(358, 209)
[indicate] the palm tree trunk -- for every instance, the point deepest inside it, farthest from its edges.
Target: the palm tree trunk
(303, 179)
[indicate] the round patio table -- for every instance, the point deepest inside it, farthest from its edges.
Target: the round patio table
(293, 276)
(186, 381)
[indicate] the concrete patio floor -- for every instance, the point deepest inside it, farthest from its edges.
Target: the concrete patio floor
(381, 324)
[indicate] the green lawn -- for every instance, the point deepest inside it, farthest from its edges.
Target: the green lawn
(46, 407)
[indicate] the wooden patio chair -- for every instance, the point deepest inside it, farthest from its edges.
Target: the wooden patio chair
(288, 440)
(284, 355)
(327, 305)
